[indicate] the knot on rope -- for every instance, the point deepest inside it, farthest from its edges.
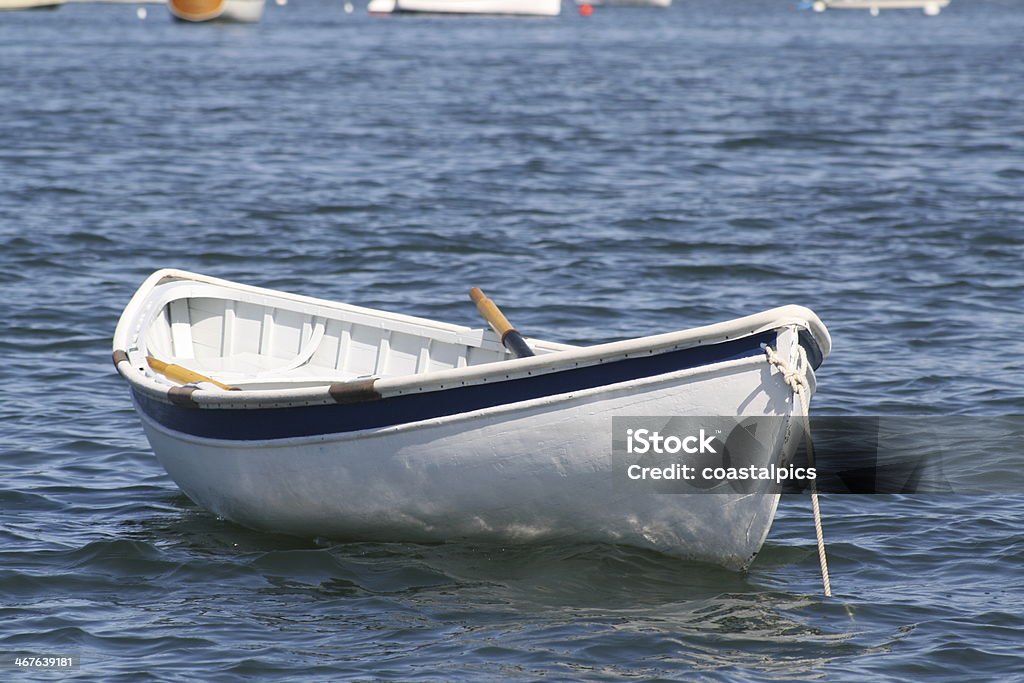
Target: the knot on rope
(795, 377)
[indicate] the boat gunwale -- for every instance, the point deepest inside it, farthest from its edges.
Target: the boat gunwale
(693, 373)
(569, 358)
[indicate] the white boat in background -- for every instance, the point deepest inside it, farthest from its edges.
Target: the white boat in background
(243, 11)
(543, 8)
(930, 7)
(30, 4)
(309, 417)
(116, 2)
(626, 3)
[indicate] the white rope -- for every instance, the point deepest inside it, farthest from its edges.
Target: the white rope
(797, 379)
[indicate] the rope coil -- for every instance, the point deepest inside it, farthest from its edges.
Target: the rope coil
(796, 378)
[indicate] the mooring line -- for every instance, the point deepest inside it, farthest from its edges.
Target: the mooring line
(797, 379)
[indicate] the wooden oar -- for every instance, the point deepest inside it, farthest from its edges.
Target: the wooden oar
(183, 375)
(510, 337)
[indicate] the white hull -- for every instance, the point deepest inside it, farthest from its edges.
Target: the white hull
(117, 2)
(547, 8)
(539, 472)
(626, 3)
(929, 7)
(363, 425)
(30, 4)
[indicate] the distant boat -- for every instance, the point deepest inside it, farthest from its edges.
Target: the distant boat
(245, 11)
(116, 2)
(30, 4)
(625, 3)
(929, 7)
(544, 8)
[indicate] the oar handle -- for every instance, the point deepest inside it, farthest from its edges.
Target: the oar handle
(510, 337)
(183, 375)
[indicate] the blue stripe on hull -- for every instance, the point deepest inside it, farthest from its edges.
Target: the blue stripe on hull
(281, 423)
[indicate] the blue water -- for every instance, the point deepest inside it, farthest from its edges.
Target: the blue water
(601, 178)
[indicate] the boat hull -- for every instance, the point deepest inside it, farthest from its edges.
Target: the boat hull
(537, 470)
(626, 3)
(929, 7)
(29, 4)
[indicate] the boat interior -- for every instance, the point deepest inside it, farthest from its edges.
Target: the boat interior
(252, 341)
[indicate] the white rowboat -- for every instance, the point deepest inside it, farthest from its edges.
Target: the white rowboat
(241, 11)
(353, 423)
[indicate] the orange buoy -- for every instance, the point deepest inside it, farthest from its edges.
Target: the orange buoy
(586, 10)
